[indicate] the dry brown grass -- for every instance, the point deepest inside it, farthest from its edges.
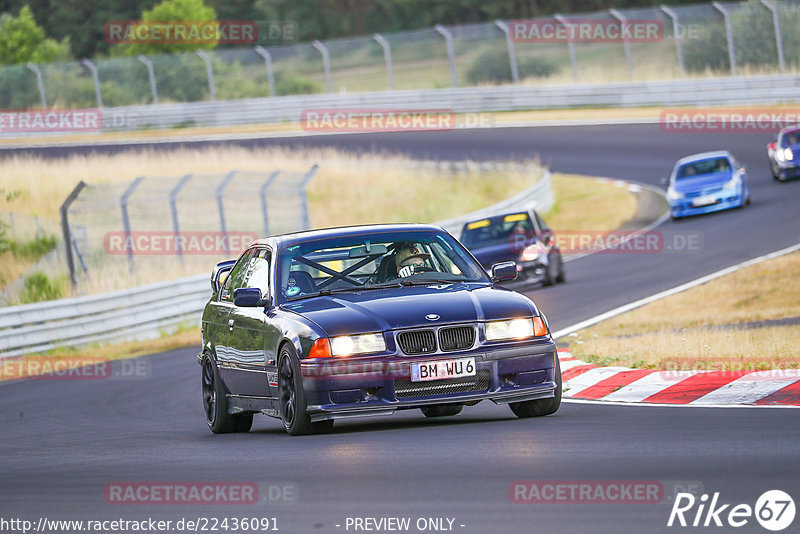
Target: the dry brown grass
(677, 331)
(348, 189)
(587, 205)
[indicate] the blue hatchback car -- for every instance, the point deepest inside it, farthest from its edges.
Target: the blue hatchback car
(707, 182)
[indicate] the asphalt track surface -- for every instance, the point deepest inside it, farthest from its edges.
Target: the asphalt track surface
(64, 441)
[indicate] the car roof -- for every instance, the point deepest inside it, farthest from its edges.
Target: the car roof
(498, 216)
(704, 155)
(790, 129)
(294, 238)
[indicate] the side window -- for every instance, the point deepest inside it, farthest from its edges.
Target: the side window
(257, 272)
(236, 276)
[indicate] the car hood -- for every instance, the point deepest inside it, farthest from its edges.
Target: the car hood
(489, 255)
(702, 182)
(407, 307)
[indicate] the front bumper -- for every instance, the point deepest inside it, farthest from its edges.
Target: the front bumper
(381, 386)
(787, 171)
(725, 200)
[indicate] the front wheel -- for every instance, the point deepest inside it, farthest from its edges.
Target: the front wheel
(540, 407)
(215, 403)
(292, 398)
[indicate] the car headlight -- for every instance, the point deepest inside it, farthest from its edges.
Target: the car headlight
(515, 329)
(530, 253)
(674, 195)
(731, 184)
(360, 344)
(788, 155)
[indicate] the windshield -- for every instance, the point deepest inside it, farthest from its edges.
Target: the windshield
(514, 229)
(790, 139)
(699, 168)
(373, 260)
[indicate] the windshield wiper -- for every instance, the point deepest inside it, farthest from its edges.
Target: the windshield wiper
(329, 292)
(428, 281)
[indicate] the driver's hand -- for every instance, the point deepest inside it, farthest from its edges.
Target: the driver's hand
(408, 270)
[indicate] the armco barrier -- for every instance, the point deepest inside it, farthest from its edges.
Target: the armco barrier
(144, 312)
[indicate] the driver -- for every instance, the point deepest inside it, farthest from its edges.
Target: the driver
(409, 258)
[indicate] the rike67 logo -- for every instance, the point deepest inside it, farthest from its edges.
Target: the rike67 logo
(774, 510)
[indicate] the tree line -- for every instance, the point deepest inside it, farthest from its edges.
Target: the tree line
(48, 30)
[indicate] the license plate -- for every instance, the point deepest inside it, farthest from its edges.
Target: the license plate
(704, 201)
(442, 369)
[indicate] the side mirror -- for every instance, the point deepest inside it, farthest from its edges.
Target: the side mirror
(248, 297)
(665, 180)
(220, 269)
(504, 272)
(771, 146)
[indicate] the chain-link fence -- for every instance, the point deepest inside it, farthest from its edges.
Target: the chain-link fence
(155, 228)
(752, 37)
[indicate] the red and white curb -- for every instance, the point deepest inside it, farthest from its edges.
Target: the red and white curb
(582, 380)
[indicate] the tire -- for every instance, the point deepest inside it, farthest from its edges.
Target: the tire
(549, 277)
(215, 403)
(442, 410)
(292, 398)
(562, 277)
(540, 407)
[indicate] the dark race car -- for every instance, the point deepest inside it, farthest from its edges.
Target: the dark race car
(522, 237)
(784, 154)
(316, 326)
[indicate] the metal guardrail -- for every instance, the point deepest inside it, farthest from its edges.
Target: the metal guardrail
(776, 89)
(144, 312)
(693, 92)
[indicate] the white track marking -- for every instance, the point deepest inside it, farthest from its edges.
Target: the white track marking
(649, 385)
(675, 290)
(590, 378)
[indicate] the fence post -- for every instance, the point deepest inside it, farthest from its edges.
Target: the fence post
(676, 27)
(626, 44)
(561, 19)
(451, 51)
(776, 23)
(151, 75)
(387, 58)
(95, 79)
(263, 194)
(263, 52)
(126, 223)
(39, 82)
(728, 33)
(512, 55)
(173, 196)
(212, 90)
(221, 208)
(305, 217)
(326, 63)
(65, 230)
